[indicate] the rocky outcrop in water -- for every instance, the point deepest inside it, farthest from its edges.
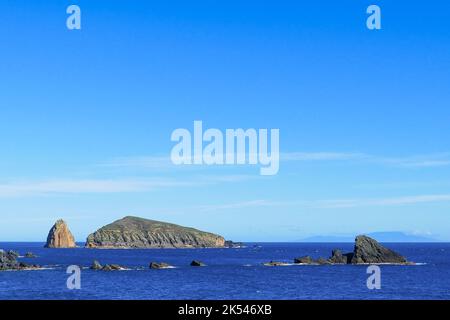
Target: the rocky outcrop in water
(275, 264)
(107, 267)
(232, 244)
(366, 251)
(134, 232)
(96, 265)
(112, 267)
(304, 260)
(60, 236)
(337, 257)
(8, 261)
(197, 263)
(30, 255)
(159, 265)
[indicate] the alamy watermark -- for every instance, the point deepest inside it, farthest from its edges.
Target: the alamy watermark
(232, 147)
(74, 280)
(374, 280)
(73, 21)
(373, 22)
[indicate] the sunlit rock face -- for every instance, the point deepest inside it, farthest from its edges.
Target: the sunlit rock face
(60, 236)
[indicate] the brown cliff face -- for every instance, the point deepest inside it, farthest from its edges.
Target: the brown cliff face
(60, 236)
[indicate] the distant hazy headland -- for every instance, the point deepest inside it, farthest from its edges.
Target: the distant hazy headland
(390, 236)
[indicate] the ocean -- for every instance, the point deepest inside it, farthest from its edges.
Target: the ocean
(229, 274)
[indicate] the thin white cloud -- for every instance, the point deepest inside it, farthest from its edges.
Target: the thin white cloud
(401, 200)
(146, 162)
(85, 186)
(49, 187)
(321, 156)
(371, 202)
(417, 161)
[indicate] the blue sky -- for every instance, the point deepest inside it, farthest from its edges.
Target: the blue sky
(86, 116)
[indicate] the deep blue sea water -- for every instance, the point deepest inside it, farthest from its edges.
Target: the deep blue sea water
(230, 274)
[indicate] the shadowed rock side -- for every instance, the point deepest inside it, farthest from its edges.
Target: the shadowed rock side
(367, 250)
(60, 236)
(134, 232)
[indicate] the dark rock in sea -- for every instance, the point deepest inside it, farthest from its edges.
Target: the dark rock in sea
(337, 257)
(159, 265)
(368, 250)
(116, 267)
(322, 261)
(112, 267)
(231, 244)
(304, 260)
(8, 261)
(197, 263)
(60, 236)
(107, 268)
(275, 264)
(134, 232)
(348, 256)
(96, 265)
(13, 253)
(30, 255)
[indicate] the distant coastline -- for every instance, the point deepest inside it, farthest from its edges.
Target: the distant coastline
(389, 236)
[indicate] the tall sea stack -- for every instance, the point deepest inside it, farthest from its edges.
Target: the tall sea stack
(60, 236)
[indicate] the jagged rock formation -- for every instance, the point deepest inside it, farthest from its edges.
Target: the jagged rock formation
(30, 255)
(112, 267)
(232, 244)
(323, 261)
(196, 263)
(107, 267)
(337, 257)
(275, 264)
(96, 265)
(159, 265)
(303, 260)
(134, 232)
(366, 251)
(8, 261)
(60, 236)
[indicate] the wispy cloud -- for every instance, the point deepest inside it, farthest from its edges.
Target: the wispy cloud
(394, 201)
(84, 186)
(48, 187)
(146, 162)
(416, 161)
(322, 156)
